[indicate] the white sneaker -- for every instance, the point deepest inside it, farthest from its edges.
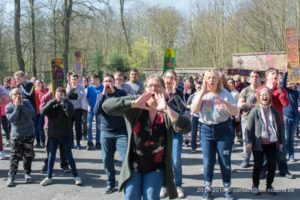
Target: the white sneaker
(46, 181)
(2, 155)
(180, 192)
(77, 180)
(163, 193)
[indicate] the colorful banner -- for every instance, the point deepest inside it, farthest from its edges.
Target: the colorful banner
(78, 68)
(169, 59)
(260, 61)
(57, 73)
(292, 55)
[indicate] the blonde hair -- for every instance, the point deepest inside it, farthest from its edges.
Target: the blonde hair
(19, 73)
(216, 74)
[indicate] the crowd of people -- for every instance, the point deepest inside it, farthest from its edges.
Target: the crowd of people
(149, 123)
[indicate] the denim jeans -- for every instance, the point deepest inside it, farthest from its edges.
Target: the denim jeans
(110, 143)
(244, 122)
(176, 158)
(6, 127)
(195, 130)
(90, 117)
(217, 139)
(144, 186)
(39, 129)
(290, 126)
(53, 144)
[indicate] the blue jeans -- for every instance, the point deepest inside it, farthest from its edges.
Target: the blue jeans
(217, 139)
(290, 126)
(39, 129)
(176, 158)
(53, 144)
(110, 143)
(90, 117)
(144, 186)
(195, 130)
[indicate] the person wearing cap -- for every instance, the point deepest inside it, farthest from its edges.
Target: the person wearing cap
(264, 137)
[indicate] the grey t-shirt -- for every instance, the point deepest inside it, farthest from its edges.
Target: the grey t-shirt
(137, 87)
(248, 94)
(212, 112)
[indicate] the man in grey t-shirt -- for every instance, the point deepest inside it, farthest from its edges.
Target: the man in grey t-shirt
(136, 86)
(247, 101)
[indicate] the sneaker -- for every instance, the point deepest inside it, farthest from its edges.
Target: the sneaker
(37, 145)
(78, 146)
(7, 143)
(98, 146)
(77, 180)
(10, 181)
(44, 169)
(245, 163)
(180, 193)
(89, 147)
(110, 189)
(255, 190)
(46, 181)
(206, 195)
(194, 150)
(228, 195)
(289, 175)
(163, 193)
(270, 190)
(28, 178)
(66, 169)
(292, 159)
(2, 155)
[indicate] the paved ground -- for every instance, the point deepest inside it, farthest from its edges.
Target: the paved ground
(91, 170)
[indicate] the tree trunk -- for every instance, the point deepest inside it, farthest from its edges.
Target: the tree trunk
(33, 42)
(124, 26)
(20, 60)
(66, 23)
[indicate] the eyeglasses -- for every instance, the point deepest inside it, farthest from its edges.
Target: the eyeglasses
(154, 85)
(170, 77)
(16, 94)
(108, 81)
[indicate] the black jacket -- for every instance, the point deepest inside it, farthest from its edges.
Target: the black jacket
(59, 117)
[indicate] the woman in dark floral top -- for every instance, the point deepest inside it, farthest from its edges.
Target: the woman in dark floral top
(150, 125)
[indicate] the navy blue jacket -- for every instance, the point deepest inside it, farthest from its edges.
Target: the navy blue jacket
(291, 111)
(110, 124)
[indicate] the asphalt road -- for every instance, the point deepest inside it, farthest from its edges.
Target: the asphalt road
(90, 169)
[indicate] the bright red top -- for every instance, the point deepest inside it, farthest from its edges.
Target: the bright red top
(37, 97)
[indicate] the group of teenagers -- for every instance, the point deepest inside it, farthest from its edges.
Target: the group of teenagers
(146, 124)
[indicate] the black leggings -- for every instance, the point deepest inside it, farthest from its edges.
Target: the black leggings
(270, 151)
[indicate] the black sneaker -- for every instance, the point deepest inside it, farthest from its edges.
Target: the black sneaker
(110, 189)
(90, 146)
(255, 190)
(206, 195)
(270, 190)
(66, 169)
(98, 146)
(44, 169)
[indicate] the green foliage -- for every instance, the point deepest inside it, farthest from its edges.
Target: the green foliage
(140, 54)
(98, 63)
(118, 63)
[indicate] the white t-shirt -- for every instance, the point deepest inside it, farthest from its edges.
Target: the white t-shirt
(212, 112)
